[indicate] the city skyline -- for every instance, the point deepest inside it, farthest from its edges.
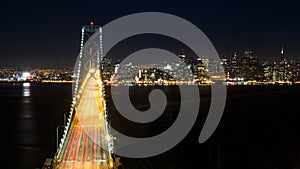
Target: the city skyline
(47, 34)
(234, 70)
(239, 54)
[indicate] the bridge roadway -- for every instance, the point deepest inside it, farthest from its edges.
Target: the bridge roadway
(88, 132)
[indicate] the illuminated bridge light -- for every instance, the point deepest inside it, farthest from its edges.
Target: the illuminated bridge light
(79, 137)
(77, 149)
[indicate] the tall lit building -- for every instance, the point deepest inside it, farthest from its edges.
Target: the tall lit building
(234, 66)
(268, 71)
(106, 68)
(116, 68)
(225, 64)
(282, 71)
(249, 67)
(182, 55)
(201, 70)
(294, 71)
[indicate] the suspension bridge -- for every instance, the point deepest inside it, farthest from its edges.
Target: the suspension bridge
(86, 141)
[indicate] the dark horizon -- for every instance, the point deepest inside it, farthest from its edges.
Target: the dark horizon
(47, 34)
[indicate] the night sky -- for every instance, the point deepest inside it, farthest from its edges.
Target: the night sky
(47, 33)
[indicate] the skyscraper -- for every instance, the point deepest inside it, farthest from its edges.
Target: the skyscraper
(249, 67)
(106, 68)
(225, 64)
(182, 55)
(234, 66)
(282, 66)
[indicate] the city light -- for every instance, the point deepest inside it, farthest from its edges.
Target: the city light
(26, 84)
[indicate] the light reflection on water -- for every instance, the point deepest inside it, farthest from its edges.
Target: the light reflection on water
(26, 105)
(26, 89)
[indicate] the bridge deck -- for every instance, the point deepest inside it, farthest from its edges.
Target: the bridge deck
(88, 133)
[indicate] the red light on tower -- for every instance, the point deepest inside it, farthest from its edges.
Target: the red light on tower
(92, 23)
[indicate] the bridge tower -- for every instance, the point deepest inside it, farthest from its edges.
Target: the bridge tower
(86, 32)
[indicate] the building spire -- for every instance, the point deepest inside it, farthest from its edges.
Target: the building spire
(282, 53)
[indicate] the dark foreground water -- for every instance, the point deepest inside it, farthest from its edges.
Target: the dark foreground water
(259, 129)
